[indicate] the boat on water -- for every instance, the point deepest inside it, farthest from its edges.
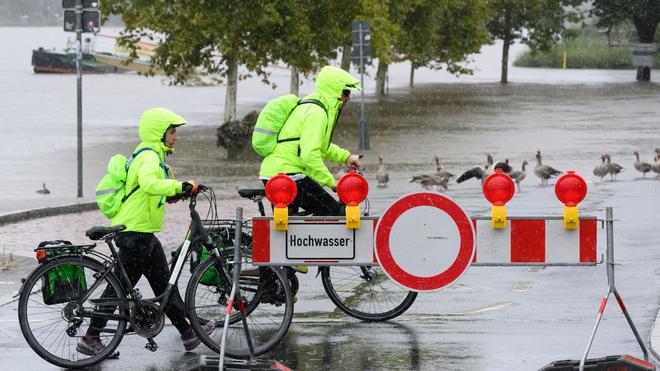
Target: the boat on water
(93, 61)
(52, 61)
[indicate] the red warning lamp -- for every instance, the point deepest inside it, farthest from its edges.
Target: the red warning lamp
(498, 190)
(571, 189)
(352, 189)
(281, 191)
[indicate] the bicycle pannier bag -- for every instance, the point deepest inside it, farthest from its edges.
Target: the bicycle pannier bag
(64, 283)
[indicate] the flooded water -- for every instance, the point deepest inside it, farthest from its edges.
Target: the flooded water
(571, 116)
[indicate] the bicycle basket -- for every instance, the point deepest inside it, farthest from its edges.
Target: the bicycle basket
(63, 283)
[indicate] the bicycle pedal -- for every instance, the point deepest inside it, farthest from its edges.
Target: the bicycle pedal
(151, 345)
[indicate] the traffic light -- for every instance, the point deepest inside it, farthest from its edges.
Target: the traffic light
(91, 21)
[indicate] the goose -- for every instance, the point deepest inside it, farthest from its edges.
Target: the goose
(43, 190)
(519, 175)
(428, 181)
(439, 169)
(506, 168)
(544, 172)
(382, 176)
(643, 167)
(478, 172)
(612, 169)
(601, 169)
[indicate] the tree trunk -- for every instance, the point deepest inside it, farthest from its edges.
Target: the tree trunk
(295, 80)
(346, 57)
(412, 75)
(645, 29)
(232, 85)
(504, 78)
(380, 78)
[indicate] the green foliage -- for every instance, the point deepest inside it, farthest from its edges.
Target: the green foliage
(537, 23)
(588, 50)
(644, 14)
(211, 34)
(581, 54)
(441, 34)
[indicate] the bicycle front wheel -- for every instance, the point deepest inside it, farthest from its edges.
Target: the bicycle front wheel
(53, 319)
(365, 293)
(268, 307)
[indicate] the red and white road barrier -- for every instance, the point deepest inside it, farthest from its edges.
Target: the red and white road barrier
(535, 241)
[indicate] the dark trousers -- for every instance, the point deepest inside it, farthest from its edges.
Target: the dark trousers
(314, 199)
(142, 254)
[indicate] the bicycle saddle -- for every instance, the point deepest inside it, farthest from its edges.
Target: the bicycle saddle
(251, 193)
(100, 232)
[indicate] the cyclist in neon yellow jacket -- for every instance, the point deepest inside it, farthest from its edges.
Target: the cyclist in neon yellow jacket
(142, 213)
(144, 210)
(303, 159)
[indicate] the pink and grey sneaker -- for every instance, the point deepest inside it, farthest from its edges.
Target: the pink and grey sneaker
(190, 338)
(92, 345)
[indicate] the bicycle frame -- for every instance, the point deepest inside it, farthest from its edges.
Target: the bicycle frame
(195, 234)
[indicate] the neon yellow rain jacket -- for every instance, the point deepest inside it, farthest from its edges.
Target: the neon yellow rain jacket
(144, 211)
(314, 127)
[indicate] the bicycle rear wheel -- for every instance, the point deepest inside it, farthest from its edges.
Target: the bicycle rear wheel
(269, 309)
(365, 293)
(54, 327)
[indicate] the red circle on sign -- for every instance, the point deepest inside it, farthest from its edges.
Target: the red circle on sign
(411, 281)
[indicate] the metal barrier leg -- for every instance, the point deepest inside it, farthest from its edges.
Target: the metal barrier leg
(593, 332)
(235, 292)
(632, 325)
(611, 289)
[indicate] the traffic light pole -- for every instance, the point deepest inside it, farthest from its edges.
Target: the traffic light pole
(79, 11)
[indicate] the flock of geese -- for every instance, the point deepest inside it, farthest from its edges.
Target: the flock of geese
(441, 177)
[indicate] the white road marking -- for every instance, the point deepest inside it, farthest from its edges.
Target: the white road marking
(489, 308)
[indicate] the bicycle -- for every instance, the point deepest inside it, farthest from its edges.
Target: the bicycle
(71, 278)
(362, 292)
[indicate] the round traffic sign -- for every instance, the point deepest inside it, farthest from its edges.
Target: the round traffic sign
(424, 241)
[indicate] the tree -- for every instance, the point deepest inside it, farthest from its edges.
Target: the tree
(644, 14)
(441, 34)
(214, 36)
(310, 33)
(386, 19)
(537, 23)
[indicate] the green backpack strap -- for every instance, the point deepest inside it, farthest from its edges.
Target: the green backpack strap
(304, 101)
(130, 161)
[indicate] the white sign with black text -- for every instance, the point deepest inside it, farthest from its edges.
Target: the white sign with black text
(314, 241)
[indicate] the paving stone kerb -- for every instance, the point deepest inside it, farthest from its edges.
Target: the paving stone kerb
(46, 211)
